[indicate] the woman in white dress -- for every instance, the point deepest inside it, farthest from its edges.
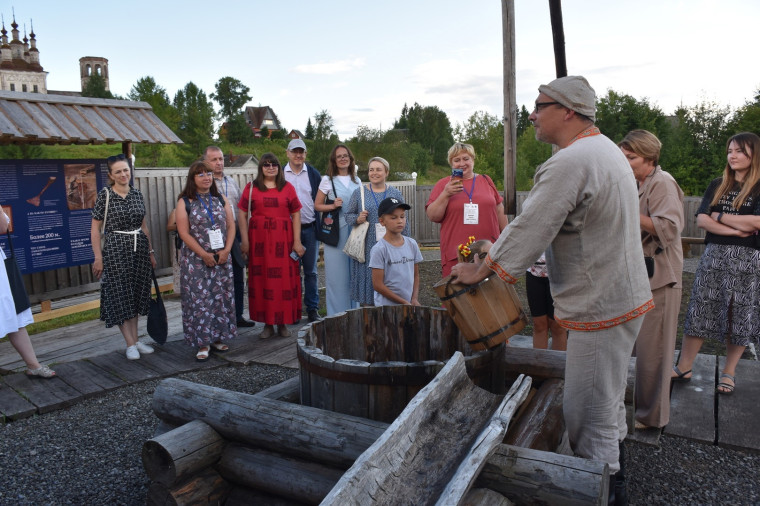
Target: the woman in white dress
(12, 324)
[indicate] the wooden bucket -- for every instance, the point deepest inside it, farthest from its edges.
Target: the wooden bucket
(487, 313)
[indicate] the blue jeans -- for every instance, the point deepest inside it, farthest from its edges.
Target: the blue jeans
(309, 265)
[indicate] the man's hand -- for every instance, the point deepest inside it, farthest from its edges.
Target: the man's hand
(470, 274)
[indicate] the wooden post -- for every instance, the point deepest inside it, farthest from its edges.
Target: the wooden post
(558, 36)
(510, 108)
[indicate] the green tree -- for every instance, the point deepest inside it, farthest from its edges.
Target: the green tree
(747, 117)
(231, 95)
(486, 134)
(430, 128)
(325, 138)
(522, 120)
(96, 88)
(309, 132)
(617, 114)
(147, 90)
(695, 151)
(196, 118)
(238, 131)
(531, 153)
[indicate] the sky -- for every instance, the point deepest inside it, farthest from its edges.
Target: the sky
(362, 61)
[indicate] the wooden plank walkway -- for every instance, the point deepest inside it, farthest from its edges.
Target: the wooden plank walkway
(90, 361)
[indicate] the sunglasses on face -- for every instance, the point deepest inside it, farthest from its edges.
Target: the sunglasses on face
(116, 158)
(270, 164)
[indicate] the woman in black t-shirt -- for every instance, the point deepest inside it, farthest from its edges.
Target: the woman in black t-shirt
(725, 298)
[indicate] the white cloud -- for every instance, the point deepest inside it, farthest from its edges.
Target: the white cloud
(328, 68)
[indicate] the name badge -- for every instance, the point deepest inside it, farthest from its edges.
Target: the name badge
(215, 239)
(379, 231)
(470, 214)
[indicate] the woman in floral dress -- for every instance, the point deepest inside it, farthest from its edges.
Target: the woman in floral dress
(205, 224)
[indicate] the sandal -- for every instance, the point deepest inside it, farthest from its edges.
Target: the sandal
(724, 388)
(267, 332)
(219, 347)
(681, 376)
(202, 354)
(42, 371)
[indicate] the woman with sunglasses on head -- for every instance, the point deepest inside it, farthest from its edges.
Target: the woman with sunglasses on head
(124, 263)
(270, 227)
(362, 290)
(206, 227)
(725, 300)
(338, 185)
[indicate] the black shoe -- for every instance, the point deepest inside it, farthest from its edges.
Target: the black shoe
(242, 322)
(313, 316)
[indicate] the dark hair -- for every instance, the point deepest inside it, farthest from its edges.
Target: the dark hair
(111, 161)
(279, 180)
(332, 167)
(191, 189)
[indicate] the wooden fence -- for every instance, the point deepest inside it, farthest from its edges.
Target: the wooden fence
(160, 188)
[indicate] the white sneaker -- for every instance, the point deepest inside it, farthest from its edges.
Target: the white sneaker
(143, 348)
(132, 353)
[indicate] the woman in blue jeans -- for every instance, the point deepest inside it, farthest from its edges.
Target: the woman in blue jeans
(338, 185)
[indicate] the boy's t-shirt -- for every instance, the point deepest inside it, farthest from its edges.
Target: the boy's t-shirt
(397, 263)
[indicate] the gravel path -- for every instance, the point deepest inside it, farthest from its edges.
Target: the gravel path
(90, 453)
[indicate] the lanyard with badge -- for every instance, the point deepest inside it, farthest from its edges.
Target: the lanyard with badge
(470, 210)
(214, 234)
(379, 229)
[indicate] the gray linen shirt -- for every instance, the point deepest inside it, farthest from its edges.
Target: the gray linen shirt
(584, 207)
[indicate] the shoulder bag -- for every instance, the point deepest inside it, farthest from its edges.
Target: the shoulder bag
(16, 281)
(356, 242)
(328, 231)
(158, 325)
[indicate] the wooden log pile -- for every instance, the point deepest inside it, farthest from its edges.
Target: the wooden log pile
(276, 452)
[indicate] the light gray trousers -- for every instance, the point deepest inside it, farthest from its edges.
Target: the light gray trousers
(595, 377)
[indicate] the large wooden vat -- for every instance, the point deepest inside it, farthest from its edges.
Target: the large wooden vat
(370, 362)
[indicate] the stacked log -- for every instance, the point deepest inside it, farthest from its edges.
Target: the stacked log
(269, 443)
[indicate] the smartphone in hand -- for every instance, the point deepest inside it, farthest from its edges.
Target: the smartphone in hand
(294, 256)
(457, 175)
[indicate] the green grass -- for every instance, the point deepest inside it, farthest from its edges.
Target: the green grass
(63, 321)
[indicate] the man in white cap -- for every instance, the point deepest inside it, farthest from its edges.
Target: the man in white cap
(583, 210)
(229, 188)
(305, 179)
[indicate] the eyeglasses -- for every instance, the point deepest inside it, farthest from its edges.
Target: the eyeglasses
(342, 157)
(116, 158)
(205, 174)
(540, 105)
(270, 164)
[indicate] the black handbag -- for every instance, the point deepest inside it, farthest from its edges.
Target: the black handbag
(328, 230)
(158, 326)
(16, 281)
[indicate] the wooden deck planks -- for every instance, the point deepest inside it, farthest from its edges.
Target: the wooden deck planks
(738, 413)
(131, 371)
(87, 378)
(692, 404)
(47, 394)
(13, 406)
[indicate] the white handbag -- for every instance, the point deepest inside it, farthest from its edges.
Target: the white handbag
(355, 245)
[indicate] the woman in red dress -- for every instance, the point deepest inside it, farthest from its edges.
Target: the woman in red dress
(270, 226)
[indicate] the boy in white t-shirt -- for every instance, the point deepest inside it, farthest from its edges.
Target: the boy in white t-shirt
(394, 258)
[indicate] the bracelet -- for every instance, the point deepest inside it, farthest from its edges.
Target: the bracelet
(720, 215)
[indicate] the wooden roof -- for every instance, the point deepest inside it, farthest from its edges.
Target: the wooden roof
(35, 118)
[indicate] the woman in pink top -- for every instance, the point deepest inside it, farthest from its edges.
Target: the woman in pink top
(465, 206)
